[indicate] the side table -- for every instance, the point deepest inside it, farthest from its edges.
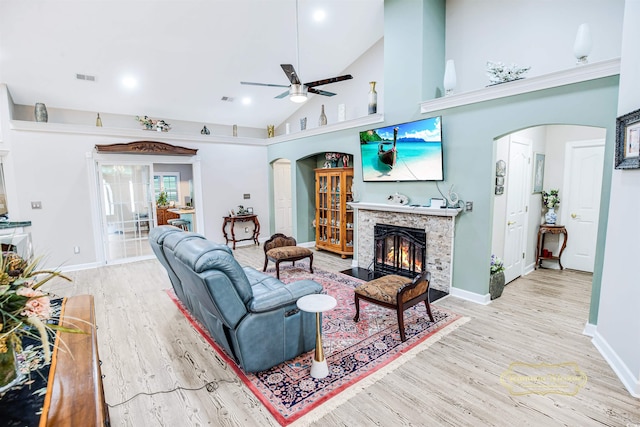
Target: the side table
(317, 303)
(550, 229)
(231, 220)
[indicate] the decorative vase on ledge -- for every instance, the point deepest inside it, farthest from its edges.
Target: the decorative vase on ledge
(551, 217)
(373, 98)
(40, 112)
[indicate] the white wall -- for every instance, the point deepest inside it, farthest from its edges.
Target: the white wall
(617, 335)
(52, 167)
(536, 33)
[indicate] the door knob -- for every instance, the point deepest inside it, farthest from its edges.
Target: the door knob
(511, 222)
(574, 216)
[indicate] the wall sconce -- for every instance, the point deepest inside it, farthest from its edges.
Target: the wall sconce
(583, 44)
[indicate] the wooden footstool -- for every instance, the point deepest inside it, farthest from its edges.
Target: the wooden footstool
(280, 248)
(395, 292)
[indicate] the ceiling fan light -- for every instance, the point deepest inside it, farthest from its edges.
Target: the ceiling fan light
(298, 93)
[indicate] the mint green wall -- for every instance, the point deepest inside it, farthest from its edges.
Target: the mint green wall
(468, 134)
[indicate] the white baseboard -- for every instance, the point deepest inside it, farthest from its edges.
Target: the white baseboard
(631, 383)
(311, 244)
(78, 267)
(354, 263)
(589, 329)
(470, 296)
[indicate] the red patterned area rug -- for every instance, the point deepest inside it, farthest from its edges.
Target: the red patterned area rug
(358, 354)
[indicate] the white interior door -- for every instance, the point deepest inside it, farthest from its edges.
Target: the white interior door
(282, 196)
(584, 162)
(517, 190)
(126, 209)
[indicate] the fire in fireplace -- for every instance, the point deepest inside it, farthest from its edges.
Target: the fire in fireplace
(399, 250)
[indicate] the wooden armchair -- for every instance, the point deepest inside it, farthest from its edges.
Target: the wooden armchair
(280, 248)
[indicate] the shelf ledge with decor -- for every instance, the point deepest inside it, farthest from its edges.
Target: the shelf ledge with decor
(583, 73)
(334, 127)
(28, 126)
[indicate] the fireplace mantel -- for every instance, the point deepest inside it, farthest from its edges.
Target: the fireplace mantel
(418, 210)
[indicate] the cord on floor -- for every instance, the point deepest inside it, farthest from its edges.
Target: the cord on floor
(211, 386)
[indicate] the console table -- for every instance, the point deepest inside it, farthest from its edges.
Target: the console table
(231, 220)
(550, 229)
(74, 393)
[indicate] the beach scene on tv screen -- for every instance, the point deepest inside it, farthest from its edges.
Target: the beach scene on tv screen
(404, 152)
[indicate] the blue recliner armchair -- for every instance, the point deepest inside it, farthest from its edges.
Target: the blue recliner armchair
(251, 315)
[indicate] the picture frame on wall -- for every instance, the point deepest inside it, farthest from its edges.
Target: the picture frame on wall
(628, 141)
(538, 172)
(500, 180)
(501, 168)
(499, 190)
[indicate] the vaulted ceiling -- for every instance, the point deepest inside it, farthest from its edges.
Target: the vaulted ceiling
(184, 55)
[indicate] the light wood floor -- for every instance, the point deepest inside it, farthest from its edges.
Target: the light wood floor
(146, 346)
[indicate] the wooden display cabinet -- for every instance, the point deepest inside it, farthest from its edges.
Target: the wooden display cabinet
(334, 221)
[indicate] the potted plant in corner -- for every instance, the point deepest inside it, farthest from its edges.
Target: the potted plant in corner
(496, 280)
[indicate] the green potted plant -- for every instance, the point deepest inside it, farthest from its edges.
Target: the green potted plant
(162, 199)
(496, 280)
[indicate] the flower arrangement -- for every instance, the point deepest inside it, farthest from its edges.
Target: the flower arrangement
(550, 199)
(24, 308)
(501, 73)
(497, 265)
(151, 124)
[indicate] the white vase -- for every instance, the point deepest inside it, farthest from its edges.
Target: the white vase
(582, 45)
(322, 121)
(373, 98)
(551, 217)
(449, 77)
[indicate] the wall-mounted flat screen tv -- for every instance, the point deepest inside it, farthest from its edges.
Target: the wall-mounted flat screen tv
(405, 152)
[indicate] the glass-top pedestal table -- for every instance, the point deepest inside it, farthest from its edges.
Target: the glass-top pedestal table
(317, 303)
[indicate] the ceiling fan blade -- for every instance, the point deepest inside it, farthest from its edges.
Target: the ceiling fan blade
(330, 80)
(320, 92)
(291, 73)
(282, 95)
(262, 84)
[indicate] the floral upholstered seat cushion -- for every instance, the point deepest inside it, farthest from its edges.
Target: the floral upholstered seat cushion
(287, 252)
(386, 288)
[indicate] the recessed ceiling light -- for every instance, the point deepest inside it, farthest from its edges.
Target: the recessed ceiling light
(319, 15)
(246, 100)
(129, 82)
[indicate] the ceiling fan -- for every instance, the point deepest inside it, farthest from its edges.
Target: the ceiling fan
(298, 91)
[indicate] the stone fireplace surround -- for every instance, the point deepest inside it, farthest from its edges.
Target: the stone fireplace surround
(439, 224)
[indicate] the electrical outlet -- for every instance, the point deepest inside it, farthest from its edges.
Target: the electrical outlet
(36, 205)
(246, 229)
(247, 196)
(76, 249)
(469, 206)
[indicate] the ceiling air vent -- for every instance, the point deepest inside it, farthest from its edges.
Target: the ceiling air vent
(227, 98)
(86, 77)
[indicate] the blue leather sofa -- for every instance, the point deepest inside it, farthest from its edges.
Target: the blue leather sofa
(251, 315)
